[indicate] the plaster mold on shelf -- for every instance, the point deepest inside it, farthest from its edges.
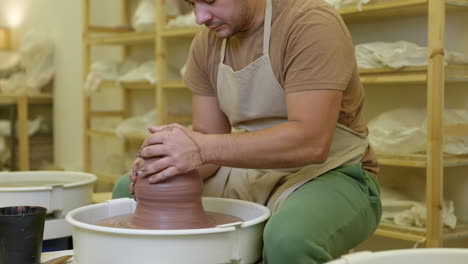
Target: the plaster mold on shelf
(137, 125)
(399, 54)
(404, 131)
(187, 20)
(402, 210)
(144, 17)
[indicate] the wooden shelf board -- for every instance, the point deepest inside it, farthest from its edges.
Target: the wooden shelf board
(180, 32)
(106, 114)
(103, 29)
(174, 85)
(108, 84)
(393, 78)
(456, 73)
(128, 85)
(397, 232)
(122, 39)
(5, 99)
(32, 99)
(40, 98)
(101, 133)
(111, 135)
(395, 8)
(137, 85)
(416, 234)
(453, 73)
(454, 161)
(456, 130)
(461, 231)
(415, 161)
(419, 160)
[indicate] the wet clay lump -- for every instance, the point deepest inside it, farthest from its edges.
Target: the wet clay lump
(171, 204)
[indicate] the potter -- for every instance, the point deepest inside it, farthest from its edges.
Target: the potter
(285, 72)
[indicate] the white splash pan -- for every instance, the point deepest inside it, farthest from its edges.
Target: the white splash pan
(407, 256)
(237, 243)
(58, 191)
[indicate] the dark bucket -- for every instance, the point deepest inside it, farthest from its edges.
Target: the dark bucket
(21, 234)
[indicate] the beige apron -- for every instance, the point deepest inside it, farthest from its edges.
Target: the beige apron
(253, 99)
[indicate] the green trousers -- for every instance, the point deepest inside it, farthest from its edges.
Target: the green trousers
(121, 188)
(321, 220)
(324, 218)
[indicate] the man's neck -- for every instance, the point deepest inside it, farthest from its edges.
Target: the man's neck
(257, 17)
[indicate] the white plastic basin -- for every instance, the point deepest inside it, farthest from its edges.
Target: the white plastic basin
(58, 191)
(407, 256)
(222, 244)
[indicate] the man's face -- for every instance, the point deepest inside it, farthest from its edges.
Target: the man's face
(225, 17)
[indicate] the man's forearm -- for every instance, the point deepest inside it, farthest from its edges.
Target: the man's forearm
(283, 146)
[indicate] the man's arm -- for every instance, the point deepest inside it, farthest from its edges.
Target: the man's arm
(305, 138)
(312, 114)
(208, 118)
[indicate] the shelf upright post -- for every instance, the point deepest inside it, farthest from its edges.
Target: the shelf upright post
(86, 98)
(435, 111)
(13, 131)
(160, 63)
(23, 138)
(126, 95)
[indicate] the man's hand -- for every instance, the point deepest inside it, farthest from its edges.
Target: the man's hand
(170, 150)
(137, 166)
(133, 176)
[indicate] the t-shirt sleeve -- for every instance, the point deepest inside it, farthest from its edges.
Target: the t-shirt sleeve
(196, 76)
(319, 54)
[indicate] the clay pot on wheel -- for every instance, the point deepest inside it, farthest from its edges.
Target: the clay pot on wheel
(171, 204)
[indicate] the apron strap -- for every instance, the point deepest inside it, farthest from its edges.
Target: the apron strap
(223, 51)
(267, 28)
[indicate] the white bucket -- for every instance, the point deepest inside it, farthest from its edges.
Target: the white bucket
(239, 243)
(58, 191)
(407, 256)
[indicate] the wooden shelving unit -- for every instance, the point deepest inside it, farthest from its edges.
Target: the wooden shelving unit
(112, 135)
(397, 8)
(122, 39)
(22, 103)
(31, 99)
(162, 36)
(179, 32)
(128, 85)
(94, 35)
(435, 76)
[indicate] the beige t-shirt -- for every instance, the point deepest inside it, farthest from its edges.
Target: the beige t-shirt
(310, 48)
